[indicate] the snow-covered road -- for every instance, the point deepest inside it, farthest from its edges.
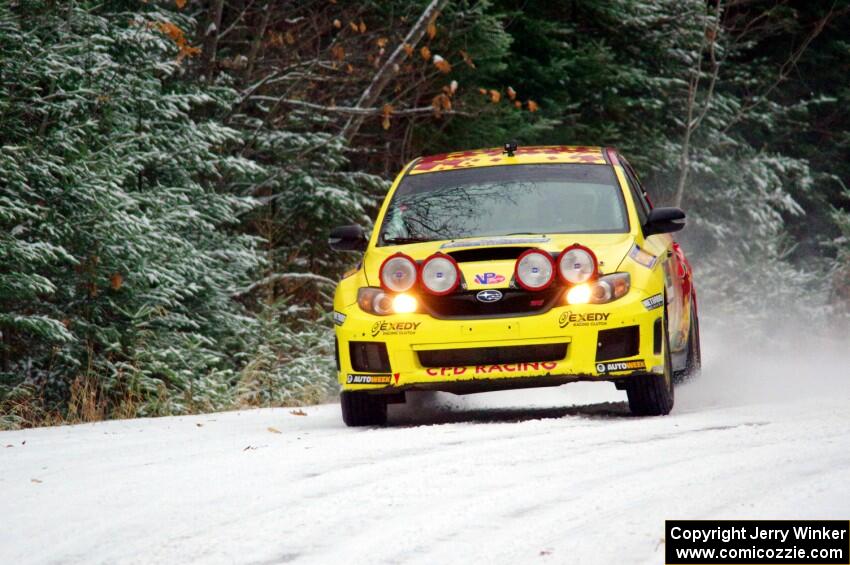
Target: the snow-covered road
(558, 475)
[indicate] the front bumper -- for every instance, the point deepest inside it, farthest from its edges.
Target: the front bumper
(409, 338)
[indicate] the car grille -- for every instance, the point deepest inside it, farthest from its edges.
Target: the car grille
(514, 302)
(492, 355)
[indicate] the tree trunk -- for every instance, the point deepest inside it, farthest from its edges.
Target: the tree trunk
(210, 36)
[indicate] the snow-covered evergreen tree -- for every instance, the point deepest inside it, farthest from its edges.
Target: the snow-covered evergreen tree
(120, 247)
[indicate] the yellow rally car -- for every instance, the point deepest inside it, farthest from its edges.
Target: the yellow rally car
(509, 268)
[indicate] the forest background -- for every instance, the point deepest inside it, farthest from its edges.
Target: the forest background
(170, 169)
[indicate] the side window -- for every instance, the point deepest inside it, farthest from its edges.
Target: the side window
(641, 204)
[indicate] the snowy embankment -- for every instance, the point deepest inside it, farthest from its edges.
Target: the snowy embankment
(551, 475)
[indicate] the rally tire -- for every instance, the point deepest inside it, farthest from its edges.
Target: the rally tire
(693, 365)
(652, 394)
(363, 409)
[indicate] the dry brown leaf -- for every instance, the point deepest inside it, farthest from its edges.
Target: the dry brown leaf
(349, 68)
(482, 90)
(354, 27)
(338, 52)
(337, 24)
(298, 412)
(408, 49)
(467, 59)
(453, 86)
(517, 104)
(532, 106)
(425, 53)
(511, 93)
(495, 96)
(381, 42)
(273, 430)
(116, 281)
(290, 39)
(432, 30)
(362, 27)
(442, 65)
(180, 4)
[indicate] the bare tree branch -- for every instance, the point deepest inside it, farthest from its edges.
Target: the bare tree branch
(390, 67)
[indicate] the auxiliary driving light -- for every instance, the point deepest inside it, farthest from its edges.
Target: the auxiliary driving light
(577, 264)
(439, 274)
(534, 270)
(398, 273)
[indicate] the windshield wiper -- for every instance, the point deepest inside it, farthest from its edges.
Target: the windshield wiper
(403, 240)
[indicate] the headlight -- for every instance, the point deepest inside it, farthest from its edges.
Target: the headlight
(604, 289)
(377, 301)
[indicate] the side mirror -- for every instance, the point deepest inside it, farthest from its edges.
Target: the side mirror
(664, 220)
(348, 238)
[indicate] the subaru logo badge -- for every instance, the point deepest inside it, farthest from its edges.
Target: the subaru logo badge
(489, 296)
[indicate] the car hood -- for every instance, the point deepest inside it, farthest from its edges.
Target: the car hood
(488, 262)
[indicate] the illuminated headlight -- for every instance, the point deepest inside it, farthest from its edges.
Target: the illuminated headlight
(605, 289)
(404, 304)
(377, 301)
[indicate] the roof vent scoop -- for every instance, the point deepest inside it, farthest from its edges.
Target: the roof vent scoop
(510, 148)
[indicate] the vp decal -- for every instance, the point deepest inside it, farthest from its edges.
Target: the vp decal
(615, 366)
(591, 319)
(489, 278)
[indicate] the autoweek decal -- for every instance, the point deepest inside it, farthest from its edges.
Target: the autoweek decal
(653, 302)
(591, 319)
(615, 366)
(369, 379)
(394, 328)
(488, 369)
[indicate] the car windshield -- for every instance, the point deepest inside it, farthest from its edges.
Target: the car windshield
(505, 200)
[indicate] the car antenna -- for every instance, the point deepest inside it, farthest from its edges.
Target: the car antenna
(510, 148)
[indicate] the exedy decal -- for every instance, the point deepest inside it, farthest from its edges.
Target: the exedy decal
(591, 319)
(653, 302)
(339, 318)
(368, 379)
(394, 328)
(615, 366)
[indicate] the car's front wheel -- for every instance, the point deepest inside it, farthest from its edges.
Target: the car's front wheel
(363, 409)
(652, 394)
